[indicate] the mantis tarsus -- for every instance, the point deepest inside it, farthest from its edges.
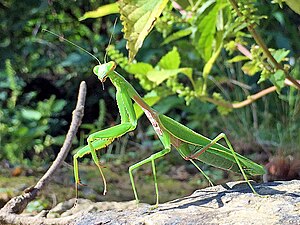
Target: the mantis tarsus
(188, 143)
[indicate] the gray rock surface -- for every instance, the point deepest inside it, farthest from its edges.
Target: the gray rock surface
(233, 203)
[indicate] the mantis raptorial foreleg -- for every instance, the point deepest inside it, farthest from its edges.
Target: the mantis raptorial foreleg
(103, 138)
(86, 150)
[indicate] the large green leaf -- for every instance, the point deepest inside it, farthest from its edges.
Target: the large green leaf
(138, 18)
(294, 5)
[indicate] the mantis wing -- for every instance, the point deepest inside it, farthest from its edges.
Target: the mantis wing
(217, 155)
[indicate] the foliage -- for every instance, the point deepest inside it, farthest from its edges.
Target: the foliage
(138, 18)
(211, 26)
(101, 11)
(151, 77)
(47, 74)
(24, 126)
(206, 32)
(193, 56)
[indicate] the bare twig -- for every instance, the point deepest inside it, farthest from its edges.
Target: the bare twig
(17, 204)
(250, 98)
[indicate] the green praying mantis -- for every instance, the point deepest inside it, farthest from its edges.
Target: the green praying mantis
(190, 145)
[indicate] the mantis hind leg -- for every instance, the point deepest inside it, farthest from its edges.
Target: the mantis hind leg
(137, 165)
(214, 141)
(202, 172)
(183, 150)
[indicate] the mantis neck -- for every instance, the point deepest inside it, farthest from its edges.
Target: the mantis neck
(122, 84)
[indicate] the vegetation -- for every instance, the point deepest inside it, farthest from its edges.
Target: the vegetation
(205, 60)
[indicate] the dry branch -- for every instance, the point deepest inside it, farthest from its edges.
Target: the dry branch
(250, 98)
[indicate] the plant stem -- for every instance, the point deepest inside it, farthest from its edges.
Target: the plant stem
(250, 98)
(264, 47)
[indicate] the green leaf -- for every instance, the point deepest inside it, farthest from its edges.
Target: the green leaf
(205, 6)
(207, 29)
(139, 68)
(177, 35)
(138, 18)
(280, 54)
(278, 79)
(30, 114)
(188, 72)
(250, 68)
(212, 59)
(263, 76)
(238, 58)
(101, 11)
(159, 76)
(171, 60)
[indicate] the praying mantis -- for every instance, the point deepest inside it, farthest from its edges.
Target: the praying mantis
(190, 145)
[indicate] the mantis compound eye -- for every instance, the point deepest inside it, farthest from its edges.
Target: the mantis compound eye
(102, 71)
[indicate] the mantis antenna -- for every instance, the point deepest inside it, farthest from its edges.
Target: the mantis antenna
(70, 42)
(111, 36)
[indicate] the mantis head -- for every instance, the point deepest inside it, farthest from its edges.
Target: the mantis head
(102, 71)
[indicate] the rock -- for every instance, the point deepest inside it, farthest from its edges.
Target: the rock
(233, 203)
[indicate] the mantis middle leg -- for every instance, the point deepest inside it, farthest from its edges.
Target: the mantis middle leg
(165, 139)
(149, 159)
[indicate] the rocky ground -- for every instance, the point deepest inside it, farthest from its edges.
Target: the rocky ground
(233, 203)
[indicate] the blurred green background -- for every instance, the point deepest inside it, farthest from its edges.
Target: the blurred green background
(40, 77)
